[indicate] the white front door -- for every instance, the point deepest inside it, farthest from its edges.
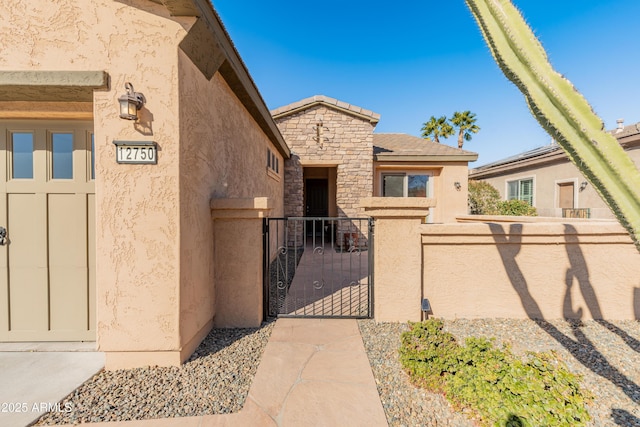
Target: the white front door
(47, 207)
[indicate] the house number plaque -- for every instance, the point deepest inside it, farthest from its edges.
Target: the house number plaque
(136, 152)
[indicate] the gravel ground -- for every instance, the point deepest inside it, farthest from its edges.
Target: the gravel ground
(218, 376)
(215, 380)
(606, 354)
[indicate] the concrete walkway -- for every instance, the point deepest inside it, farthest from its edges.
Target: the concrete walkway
(34, 379)
(314, 372)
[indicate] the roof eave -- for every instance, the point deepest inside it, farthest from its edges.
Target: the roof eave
(370, 119)
(555, 156)
(425, 158)
(230, 66)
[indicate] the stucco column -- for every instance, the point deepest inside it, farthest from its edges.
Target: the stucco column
(237, 239)
(397, 256)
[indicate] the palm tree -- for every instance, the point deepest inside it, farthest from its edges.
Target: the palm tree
(465, 123)
(438, 127)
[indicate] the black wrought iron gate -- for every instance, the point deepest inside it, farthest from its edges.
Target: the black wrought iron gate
(318, 267)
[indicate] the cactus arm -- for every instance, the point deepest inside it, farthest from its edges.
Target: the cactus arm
(561, 110)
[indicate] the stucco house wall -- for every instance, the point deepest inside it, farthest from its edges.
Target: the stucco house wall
(549, 167)
(156, 288)
(223, 156)
(449, 200)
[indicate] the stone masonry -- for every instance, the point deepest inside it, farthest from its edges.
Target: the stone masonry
(324, 131)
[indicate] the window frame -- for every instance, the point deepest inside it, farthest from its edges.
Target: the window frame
(531, 200)
(405, 184)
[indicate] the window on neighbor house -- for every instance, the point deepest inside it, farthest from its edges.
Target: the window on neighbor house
(521, 189)
(405, 185)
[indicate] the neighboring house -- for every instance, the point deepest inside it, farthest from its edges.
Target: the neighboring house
(337, 160)
(546, 179)
(123, 250)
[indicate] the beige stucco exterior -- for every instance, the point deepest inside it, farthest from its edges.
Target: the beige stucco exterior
(156, 282)
(501, 267)
(552, 169)
(449, 200)
(543, 270)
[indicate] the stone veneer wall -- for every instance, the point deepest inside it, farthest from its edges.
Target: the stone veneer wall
(347, 144)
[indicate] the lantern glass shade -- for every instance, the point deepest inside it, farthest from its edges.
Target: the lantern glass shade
(130, 103)
(128, 108)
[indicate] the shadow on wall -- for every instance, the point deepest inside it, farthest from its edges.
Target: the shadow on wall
(580, 347)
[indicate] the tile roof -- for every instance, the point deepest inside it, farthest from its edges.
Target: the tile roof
(400, 146)
(330, 102)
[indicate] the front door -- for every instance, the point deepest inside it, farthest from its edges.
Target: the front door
(565, 195)
(317, 199)
(47, 207)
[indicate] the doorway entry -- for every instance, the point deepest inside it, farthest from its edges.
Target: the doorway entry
(47, 231)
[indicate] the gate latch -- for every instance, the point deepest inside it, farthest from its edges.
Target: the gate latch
(3, 236)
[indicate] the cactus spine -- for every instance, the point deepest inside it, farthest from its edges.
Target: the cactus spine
(561, 110)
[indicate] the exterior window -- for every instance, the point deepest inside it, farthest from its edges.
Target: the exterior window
(22, 145)
(273, 164)
(521, 189)
(405, 185)
(62, 151)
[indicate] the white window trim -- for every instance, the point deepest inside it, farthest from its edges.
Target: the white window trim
(522, 178)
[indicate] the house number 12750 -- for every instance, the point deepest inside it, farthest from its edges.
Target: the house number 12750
(137, 154)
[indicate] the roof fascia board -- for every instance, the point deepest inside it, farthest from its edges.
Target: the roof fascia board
(211, 50)
(370, 119)
(427, 158)
(555, 157)
(179, 7)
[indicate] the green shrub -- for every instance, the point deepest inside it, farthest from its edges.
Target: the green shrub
(483, 198)
(500, 388)
(516, 208)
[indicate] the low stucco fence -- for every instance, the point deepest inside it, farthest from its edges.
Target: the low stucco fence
(503, 267)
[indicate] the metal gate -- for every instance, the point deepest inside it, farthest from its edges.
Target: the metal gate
(318, 267)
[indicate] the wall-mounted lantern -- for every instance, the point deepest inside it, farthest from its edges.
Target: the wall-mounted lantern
(583, 185)
(457, 185)
(130, 103)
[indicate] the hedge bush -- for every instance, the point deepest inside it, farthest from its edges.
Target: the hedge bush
(501, 389)
(516, 207)
(483, 198)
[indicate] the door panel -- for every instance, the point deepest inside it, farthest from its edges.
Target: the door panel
(47, 267)
(67, 260)
(28, 299)
(565, 194)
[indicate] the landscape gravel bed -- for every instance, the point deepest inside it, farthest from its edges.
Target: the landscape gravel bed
(605, 353)
(215, 380)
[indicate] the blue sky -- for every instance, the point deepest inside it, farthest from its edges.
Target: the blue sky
(408, 60)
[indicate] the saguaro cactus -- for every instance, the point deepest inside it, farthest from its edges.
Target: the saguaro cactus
(561, 110)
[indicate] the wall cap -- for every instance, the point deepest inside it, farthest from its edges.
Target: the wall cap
(249, 207)
(397, 207)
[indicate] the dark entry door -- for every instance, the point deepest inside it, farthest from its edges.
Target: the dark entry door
(317, 204)
(317, 197)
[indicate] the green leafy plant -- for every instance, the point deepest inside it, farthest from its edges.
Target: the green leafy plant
(483, 198)
(500, 388)
(561, 110)
(516, 207)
